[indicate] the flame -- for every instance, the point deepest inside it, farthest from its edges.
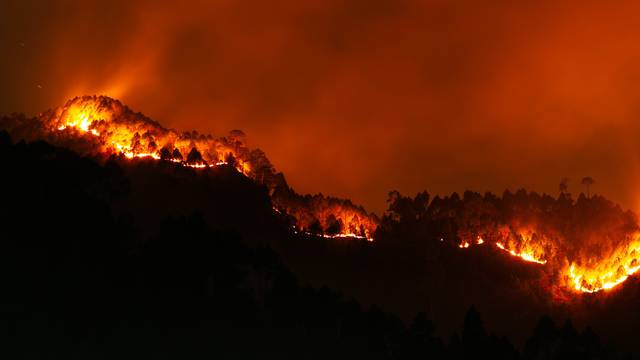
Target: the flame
(336, 236)
(529, 256)
(88, 117)
(114, 129)
(131, 155)
(525, 243)
(609, 272)
(340, 220)
(465, 244)
(583, 274)
(528, 250)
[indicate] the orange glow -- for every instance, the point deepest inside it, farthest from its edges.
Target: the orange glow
(283, 78)
(139, 138)
(606, 273)
(344, 218)
(582, 273)
(112, 129)
(525, 243)
(466, 244)
(525, 255)
(336, 236)
(115, 130)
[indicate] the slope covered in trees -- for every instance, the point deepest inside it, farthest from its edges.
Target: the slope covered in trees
(194, 271)
(100, 126)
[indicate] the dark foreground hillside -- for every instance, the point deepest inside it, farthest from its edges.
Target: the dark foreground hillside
(149, 260)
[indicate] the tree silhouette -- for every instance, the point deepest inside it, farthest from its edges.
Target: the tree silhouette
(564, 185)
(421, 342)
(176, 155)
(230, 159)
(587, 181)
(543, 342)
(194, 156)
(165, 154)
(334, 226)
(474, 336)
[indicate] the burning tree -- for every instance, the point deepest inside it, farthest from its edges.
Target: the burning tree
(101, 126)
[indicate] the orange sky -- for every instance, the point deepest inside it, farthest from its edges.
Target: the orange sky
(358, 97)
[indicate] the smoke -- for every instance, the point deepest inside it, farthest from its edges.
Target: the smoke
(355, 98)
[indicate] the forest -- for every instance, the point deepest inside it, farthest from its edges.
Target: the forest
(198, 265)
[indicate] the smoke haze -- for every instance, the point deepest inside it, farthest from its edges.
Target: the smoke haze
(355, 98)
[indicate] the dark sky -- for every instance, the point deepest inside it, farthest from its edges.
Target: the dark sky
(358, 97)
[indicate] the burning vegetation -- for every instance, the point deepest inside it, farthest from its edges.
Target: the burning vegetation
(101, 127)
(584, 246)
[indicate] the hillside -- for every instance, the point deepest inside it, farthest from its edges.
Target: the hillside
(121, 254)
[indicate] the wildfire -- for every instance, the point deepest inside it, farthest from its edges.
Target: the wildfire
(529, 252)
(596, 273)
(124, 137)
(107, 127)
(525, 255)
(465, 244)
(337, 236)
(114, 129)
(609, 272)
